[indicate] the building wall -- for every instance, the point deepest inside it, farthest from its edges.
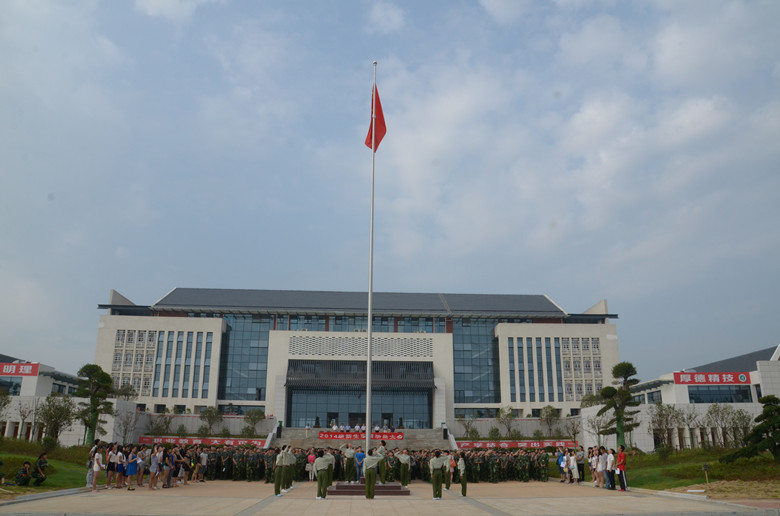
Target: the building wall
(134, 350)
(573, 371)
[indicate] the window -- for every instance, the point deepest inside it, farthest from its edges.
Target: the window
(565, 344)
(131, 337)
(597, 365)
(117, 361)
(120, 338)
(585, 344)
(575, 344)
(141, 340)
(586, 366)
(150, 337)
(594, 344)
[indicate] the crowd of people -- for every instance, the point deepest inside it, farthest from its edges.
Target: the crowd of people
(126, 466)
(604, 465)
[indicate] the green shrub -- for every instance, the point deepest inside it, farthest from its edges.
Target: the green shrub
(181, 431)
(203, 431)
(225, 432)
(49, 444)
(474, 434)
(494, 433)
(664, 452)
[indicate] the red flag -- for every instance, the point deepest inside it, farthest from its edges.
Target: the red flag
(381, 129)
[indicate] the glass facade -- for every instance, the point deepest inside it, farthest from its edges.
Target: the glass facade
(475, 358)
(244, 355)
(306, 406)
(719, 394)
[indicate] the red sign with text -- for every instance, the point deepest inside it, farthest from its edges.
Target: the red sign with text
(7, 369)
(150, 439)
(712, 378)
(468, 445)
(376, 436)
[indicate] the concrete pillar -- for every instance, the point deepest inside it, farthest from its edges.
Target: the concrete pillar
(10, 429)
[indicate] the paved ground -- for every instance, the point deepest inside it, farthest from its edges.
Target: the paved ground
(243, 499)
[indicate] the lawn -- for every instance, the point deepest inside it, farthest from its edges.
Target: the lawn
(67, 467)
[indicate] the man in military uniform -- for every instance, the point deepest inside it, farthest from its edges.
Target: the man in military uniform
(239, 464)
(251, 465)
(349, 459)
(211, 464)
(227, 462)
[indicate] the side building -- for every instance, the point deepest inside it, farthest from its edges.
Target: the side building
(301, 356)
(713, 403)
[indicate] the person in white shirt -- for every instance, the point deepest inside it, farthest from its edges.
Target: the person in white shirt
(611, 469)
(574, 474)
(97, 466)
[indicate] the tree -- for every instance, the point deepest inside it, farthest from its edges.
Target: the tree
(126, 392)
(211, 416)
(719, 416)
(468, 423)
(741, 423)
(591, 400)
(663, 420)
(597, 424)
(251, 419)
(572, 426)
(765, 436)
(690, 418)
(26, 411)
(506, 417)
(5, 399)
(619, 400)
(549, 416)
(126, 422)
(56, 413)
(95, 384)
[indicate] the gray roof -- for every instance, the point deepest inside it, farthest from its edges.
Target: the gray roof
(741, 363)
(304, 301)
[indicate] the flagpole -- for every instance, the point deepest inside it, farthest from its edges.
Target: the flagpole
(369, 428)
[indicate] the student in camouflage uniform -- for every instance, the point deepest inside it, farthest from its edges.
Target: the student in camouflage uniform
(211, 464)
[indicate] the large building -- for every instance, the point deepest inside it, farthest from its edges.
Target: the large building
(301, 355)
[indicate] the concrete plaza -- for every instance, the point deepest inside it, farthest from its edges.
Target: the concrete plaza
(243, 498)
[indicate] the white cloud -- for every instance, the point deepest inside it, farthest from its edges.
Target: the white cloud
(172, 10)
(713, 45)
(505, 11)
(385, 18)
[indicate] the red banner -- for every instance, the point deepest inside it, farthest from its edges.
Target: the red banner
(376, 436)
(150, 439)
(742, 378)
(468, 445)
(7, 369)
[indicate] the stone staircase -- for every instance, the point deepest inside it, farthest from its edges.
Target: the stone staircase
(413, 439)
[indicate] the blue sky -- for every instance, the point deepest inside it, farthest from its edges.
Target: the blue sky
(583, 150)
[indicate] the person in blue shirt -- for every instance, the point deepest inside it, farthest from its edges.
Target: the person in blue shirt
(359, 458)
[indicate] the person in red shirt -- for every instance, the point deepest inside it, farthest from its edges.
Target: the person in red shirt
(621, 467)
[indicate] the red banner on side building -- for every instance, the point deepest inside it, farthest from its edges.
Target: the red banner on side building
(376, 436)
(712, 378)
(469, 445)
(7, 369)
(150, 439)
